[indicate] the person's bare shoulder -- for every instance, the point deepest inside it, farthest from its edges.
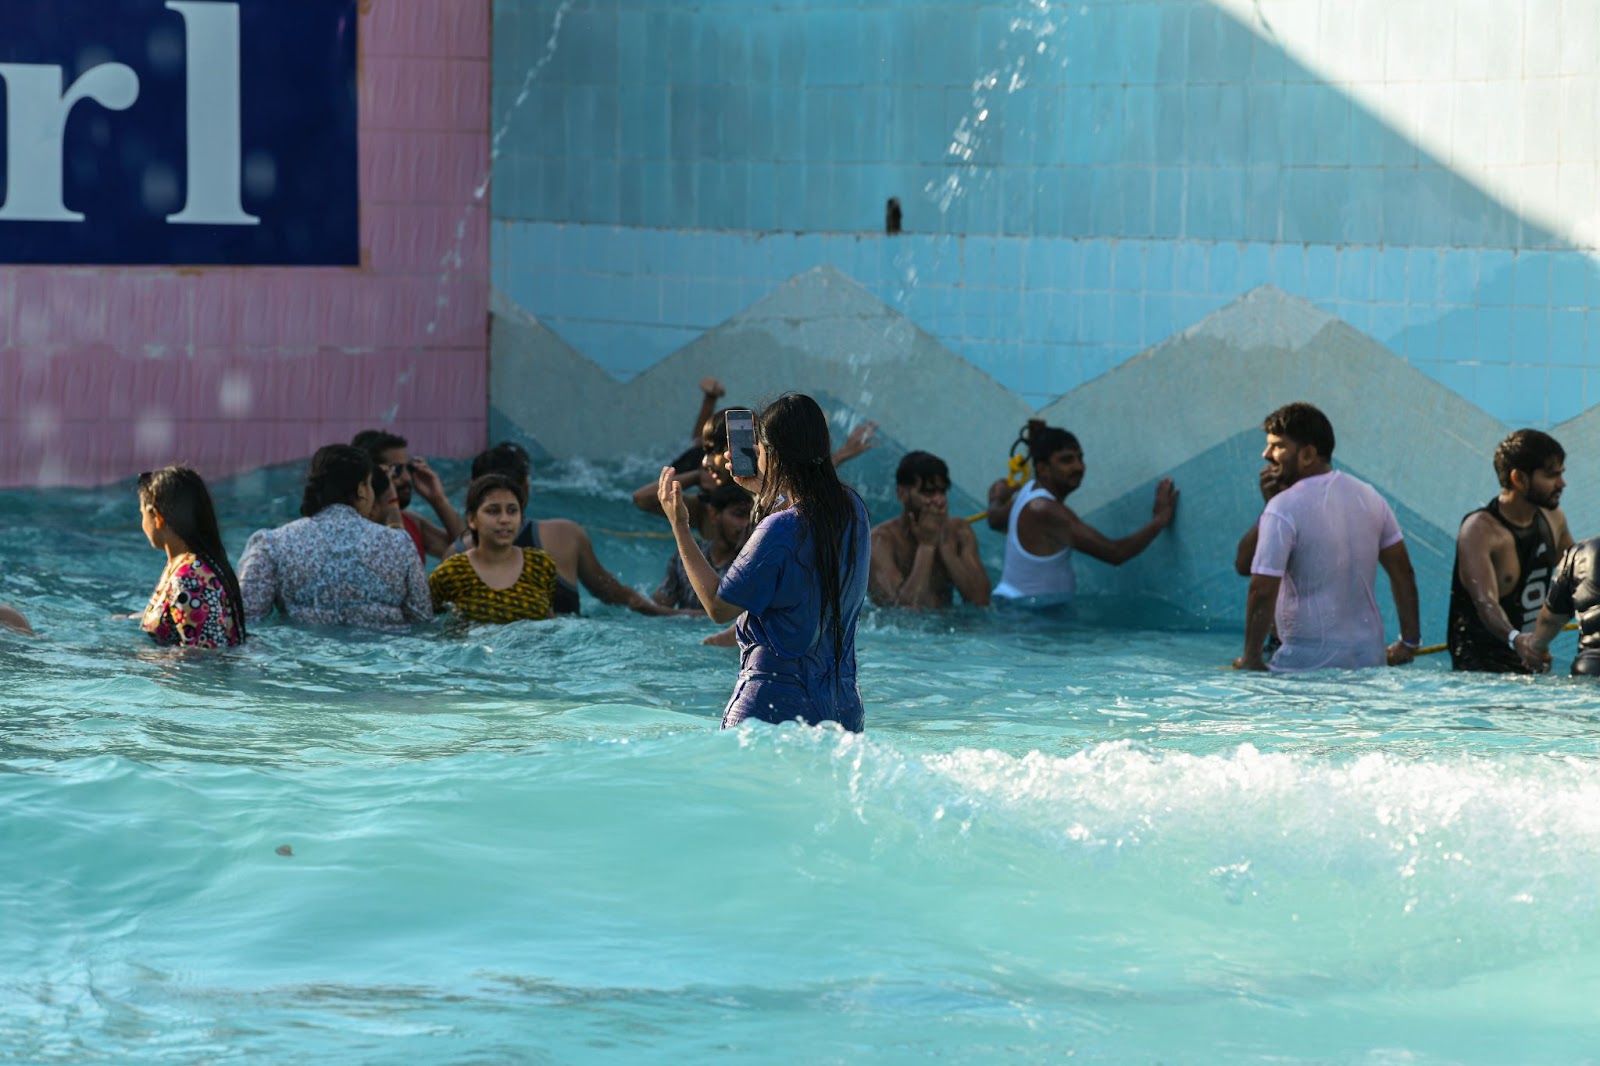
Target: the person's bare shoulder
(886, 532)
(1482, 530)
(560, 536)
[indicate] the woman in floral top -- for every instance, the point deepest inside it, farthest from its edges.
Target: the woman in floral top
(334, 567)
(197, 602)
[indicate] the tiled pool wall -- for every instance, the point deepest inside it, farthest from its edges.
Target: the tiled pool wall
(1079, 184)
(1424, 171)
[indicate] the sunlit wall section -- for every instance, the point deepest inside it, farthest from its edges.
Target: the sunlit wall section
(1078, 181)
(106, 370)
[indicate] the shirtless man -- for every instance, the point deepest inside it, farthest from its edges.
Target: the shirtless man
(567, 542)
(12, 619)
(1506, 552)
(407, 474)
(922, 557)
(1042, 532)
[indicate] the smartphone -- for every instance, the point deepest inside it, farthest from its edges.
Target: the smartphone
(742, 441)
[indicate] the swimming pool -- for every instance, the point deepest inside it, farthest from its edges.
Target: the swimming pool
(532, 843)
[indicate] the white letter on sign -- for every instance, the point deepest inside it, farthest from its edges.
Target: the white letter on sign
(211, 36)
(36, 124)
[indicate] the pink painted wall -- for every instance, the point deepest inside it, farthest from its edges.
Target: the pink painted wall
(107, 371)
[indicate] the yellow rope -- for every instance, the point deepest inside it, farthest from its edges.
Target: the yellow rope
(1433, 649)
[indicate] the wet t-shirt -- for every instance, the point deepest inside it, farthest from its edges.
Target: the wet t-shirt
(782, 643)
(1322, 536)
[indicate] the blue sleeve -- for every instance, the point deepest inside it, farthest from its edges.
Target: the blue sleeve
(756, 574)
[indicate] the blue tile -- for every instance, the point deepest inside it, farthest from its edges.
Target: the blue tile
(977, 262)
(1207, 56)
(1070, 274)
(1008, 257)
(1331, 114)
(1458, 335)
(1530, 335)
(1494, 335)
(1254, 268)
(1563, 393)
(1361, 219)
(1496, 287)
(1265, 133)
(1566, 339)
(1422, 333)
(1231, 132)
(1172, 45)
(1461, 378)
(1570, 275)
(1289, 268)
(1127, 266)
(1192, 263)
(1158, 266)
(1158, 318)
(1263, 210)
(1066, 318)
(1299, 130)
(1458, 276)
(1525, 402)
(1224, 275)
(1107, 195)
(1530, 280)
(1097, 322)
(1169, 203)
(1138, 208)
(1322, 272)
(1097, 266)
(1040, 261)
(1355, 273)
(1422, 275)
(1127, 315)
(1390, 269)
(1139, 124)
(1037, 308)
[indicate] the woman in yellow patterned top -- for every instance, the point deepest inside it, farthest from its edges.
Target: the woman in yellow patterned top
(496, 581)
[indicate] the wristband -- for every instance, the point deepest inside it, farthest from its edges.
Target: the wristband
(1511, 640)
(1412, 644)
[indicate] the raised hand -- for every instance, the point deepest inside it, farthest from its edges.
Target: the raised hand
(426, 480)
(1166, 502)
(861, 439)
(670, 494)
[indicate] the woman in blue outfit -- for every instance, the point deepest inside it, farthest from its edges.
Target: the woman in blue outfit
(799, 582)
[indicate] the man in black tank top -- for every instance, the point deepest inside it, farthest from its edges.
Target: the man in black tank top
(1506, 552)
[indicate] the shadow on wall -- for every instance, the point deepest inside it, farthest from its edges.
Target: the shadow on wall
(1175, 124)
(1126, 120)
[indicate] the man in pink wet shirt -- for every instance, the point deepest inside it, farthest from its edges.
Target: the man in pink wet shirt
(1322, 539)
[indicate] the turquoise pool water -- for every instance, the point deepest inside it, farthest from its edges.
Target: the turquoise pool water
(531, 844)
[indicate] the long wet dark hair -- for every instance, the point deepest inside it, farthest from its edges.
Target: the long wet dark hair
(799, 470)
(336, 475)
(180, 497)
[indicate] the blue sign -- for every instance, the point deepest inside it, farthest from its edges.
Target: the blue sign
(179, 132)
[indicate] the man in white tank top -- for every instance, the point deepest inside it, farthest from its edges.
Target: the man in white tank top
(1042, 532)
(1321, 540)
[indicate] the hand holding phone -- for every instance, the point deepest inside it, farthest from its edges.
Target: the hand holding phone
(742, 442)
